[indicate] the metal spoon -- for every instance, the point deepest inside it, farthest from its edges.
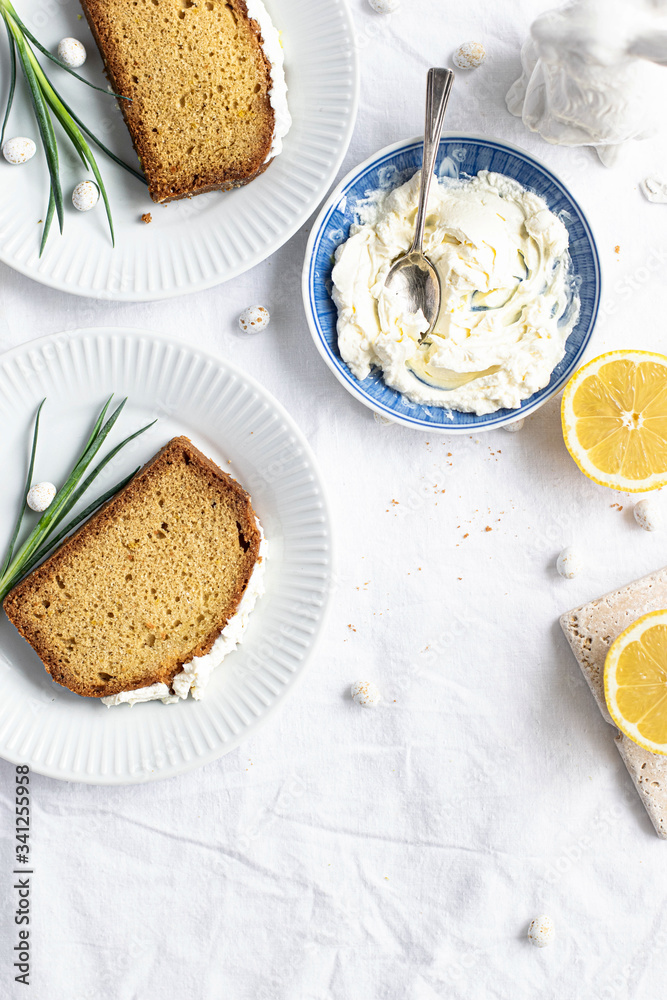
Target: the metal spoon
(413, 282)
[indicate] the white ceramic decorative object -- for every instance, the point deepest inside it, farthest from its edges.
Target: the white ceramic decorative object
(592, 74)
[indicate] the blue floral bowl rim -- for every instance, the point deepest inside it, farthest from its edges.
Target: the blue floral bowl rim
(338, 366)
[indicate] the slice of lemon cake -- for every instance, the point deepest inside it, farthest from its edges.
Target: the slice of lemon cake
(147, 597)
(208, 106)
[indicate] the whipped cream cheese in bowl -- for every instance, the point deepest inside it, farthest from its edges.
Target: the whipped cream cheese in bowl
(519, 272)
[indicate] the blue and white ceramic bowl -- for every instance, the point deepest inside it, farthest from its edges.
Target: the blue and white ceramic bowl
(463, 156)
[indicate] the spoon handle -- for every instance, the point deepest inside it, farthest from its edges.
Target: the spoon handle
(437, 95)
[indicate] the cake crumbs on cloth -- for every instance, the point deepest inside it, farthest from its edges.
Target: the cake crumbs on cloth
(147, 217)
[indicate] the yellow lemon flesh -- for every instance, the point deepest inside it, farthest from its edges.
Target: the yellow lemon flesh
(614, 415)
(635, 682)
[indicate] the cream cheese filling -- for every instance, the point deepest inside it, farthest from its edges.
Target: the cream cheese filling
(508, 299)
(273, 51)
(196, 674)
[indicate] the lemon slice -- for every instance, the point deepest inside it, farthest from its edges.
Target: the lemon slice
(635, 682)
(614, 415)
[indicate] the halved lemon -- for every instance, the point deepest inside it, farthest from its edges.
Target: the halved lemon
(635, 682)
(614, 415)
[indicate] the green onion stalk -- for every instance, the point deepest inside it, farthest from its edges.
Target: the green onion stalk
(46, 101)
(44, 536)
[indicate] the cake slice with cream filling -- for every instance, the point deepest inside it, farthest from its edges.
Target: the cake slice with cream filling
(207, 106)
(147, 598)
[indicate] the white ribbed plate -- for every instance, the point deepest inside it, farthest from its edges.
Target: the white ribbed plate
(230, 417)
(192, 244)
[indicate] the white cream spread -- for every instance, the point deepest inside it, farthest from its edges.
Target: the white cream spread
(155, 692)
(507, 297)
(273, 51)
(196, 674)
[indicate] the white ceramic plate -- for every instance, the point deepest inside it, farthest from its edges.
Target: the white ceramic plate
(192, 244)
(230, 417)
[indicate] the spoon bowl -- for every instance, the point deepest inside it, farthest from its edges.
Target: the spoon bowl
(413, 286)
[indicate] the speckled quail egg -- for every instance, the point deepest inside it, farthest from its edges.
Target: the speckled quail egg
(19, 149)
(85, 196)
(515, 426)
(569, 563)
(40, 496)
(385, 6)
(365, 693)
(470, 55)
(71, 52)
(541, 931)
(648, 514)
(254, 319)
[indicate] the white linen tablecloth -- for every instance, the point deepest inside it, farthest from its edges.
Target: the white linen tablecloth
(346, 854)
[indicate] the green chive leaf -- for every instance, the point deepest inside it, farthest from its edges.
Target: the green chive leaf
(12, 82)
(43, 119)
(28, 484)
(48, 220)
(42, 538)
